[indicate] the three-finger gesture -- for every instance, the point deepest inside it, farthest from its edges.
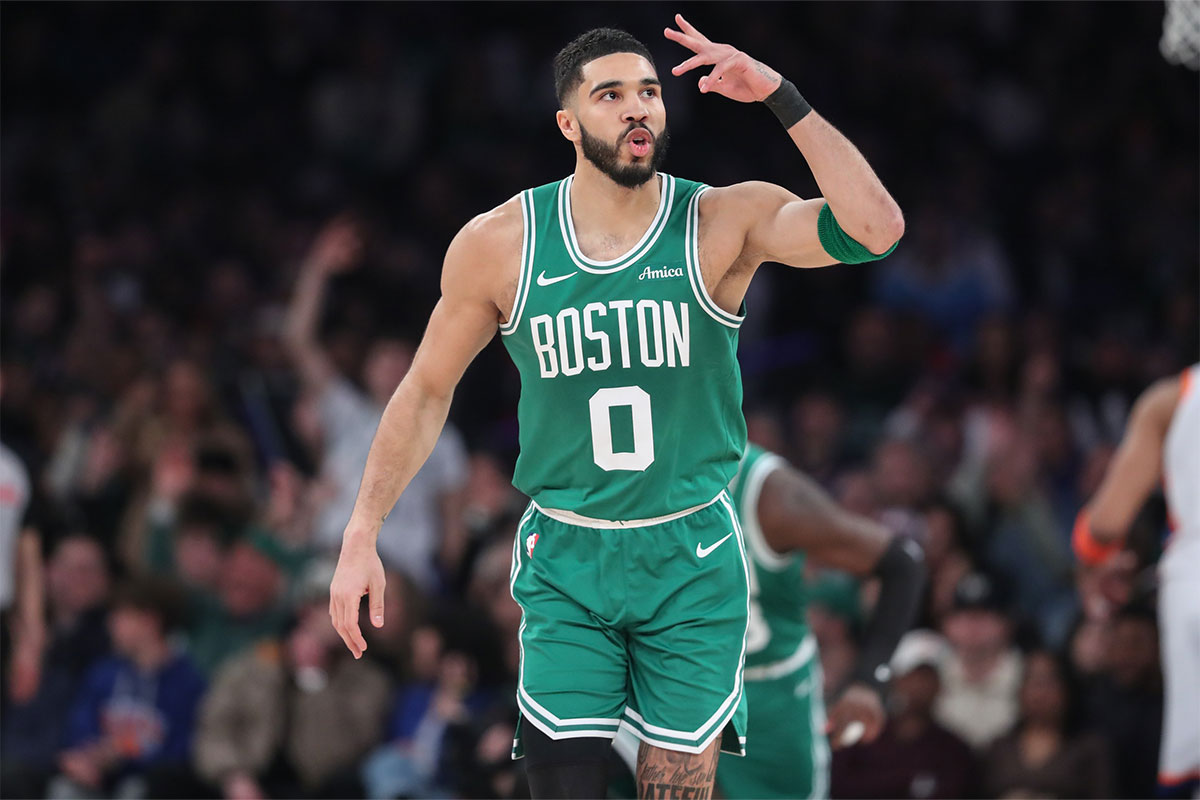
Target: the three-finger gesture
(734, 75)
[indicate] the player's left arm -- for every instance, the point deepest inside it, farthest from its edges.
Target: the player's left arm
(1136, 467)
(855, 221)
(796, 514)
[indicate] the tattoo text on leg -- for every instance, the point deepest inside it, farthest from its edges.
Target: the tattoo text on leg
(671, 775)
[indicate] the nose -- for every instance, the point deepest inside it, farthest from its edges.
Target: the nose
(636, 112)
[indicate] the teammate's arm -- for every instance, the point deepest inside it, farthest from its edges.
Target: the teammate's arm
(862, 221)
(798, 515)
(462, 323)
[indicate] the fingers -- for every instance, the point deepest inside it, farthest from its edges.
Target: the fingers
(350, 620)
(690, 42)
(690, 64)
(375, 593)
(710, 81)
(344, 614)
(689, 28)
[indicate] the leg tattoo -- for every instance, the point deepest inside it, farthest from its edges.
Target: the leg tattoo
(671, 775)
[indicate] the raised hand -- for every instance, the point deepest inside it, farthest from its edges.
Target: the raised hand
(337, 247)
(734, 75)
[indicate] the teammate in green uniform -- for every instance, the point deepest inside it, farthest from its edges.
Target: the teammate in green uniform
(618, 291)
(786, 518)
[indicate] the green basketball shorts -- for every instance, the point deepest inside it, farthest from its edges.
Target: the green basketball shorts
(638, 625)
(789, 755)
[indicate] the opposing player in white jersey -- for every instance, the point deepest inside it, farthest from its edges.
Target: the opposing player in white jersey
(1162, 440)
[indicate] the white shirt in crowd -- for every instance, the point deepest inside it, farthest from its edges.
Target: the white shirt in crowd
(14, 498)
(408, 539)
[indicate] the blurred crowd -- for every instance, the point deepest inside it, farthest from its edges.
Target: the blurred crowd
(221, 237)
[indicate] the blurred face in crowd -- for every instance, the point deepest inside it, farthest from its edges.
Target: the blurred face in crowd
(185, 392)
(977, 632)
(77, 577)
(900, 473)
(133, 630)
(1133, 657)
(198, 555)
(618, 118)
(1043, 692)
(1090, 647)
(386, 365)
(914, 693)
(249, 581)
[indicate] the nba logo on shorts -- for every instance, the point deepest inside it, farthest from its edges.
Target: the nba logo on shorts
(530, 542)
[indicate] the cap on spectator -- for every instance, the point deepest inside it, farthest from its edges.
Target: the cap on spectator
(919, 648)
(975, 591)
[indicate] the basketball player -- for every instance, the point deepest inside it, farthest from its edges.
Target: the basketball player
(787, 518)
(1162, 440)
(618, 291)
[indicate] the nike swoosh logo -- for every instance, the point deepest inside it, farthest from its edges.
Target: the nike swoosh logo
(542, 280)
(701, 552)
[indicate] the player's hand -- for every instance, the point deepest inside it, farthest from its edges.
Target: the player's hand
(1107, 587)
(734, 75)
(359, 572)
(856, 717)
(337, 247)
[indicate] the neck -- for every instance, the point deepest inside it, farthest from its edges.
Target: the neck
(978, 666)
(594, 195)
(910, 726)
(152, 655)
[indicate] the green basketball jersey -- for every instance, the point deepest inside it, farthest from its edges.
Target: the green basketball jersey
(631, 396)
(778, 633)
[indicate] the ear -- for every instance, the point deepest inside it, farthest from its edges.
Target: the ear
(567, 125)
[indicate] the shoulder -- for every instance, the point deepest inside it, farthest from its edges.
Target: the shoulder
(486, 252)
(745, 199)
(492, 231)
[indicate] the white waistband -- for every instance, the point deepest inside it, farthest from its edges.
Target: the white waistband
(777, 669)
(571, 518)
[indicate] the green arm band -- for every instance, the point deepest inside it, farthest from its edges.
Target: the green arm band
(838, 244)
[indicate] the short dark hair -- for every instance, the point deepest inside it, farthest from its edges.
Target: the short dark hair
(587, 47)
(153, 595)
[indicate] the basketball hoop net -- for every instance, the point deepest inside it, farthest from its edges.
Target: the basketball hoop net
(1180, 43)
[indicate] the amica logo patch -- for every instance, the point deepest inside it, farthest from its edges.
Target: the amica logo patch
(661, 272)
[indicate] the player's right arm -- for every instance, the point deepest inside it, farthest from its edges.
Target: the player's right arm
(1136, 467)
(1102, 524)
(476, 271)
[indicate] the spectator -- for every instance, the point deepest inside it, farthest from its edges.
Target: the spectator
(913, 757)
(1125, 702)
(130, 727)
(292, 718)
(982, 675)
(1047, 754)
(1025, 546)
(426, 715)
(249, 605)
(426, 528)
(77, 584)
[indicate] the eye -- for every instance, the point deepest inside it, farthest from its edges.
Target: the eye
(608, 94)
(649, 92)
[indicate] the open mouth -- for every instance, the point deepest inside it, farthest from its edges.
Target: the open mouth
(639, 142)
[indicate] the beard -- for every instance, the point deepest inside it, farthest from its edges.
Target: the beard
(607, 157)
